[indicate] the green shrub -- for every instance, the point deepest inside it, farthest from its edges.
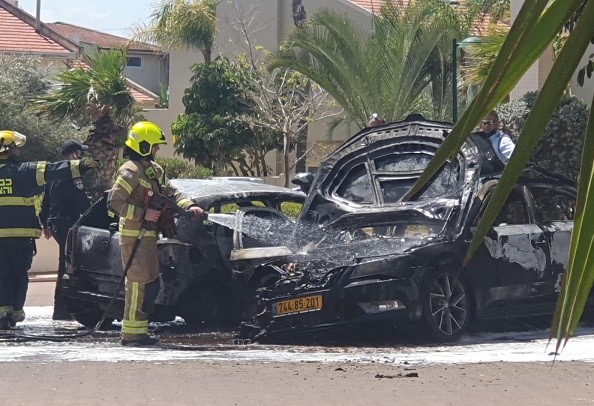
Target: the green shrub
(179, 169)
(560, 149)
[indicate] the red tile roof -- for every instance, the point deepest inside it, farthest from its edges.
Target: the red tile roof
(374, 5)
(100, 39)
(479, 28)
(18, 35)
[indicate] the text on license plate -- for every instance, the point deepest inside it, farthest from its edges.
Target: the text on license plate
(298, 305)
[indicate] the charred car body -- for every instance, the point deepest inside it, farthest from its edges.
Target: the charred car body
(361, 254)
(195, 277)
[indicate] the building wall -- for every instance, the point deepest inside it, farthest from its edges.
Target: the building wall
(537, 74)
(150, 74)
(584, 92)
(180, 74)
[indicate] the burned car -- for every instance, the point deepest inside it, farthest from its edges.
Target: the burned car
(195, 272)
(359, 253)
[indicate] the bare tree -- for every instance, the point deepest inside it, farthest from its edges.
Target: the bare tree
(287, 102)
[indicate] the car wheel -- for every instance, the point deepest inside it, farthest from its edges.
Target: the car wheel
(447, 305)
(90, 318)
(210, 304)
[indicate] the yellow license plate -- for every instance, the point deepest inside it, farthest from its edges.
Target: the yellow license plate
(298, 305)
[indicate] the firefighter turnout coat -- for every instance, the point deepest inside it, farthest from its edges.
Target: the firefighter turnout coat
(136, 181)
(19, 183)
(19, 225)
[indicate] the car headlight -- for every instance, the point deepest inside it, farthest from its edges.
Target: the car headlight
(393, 267)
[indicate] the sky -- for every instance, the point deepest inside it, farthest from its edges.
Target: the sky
(110, 16)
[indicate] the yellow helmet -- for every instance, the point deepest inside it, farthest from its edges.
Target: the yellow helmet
(10, 139)
(143, 135)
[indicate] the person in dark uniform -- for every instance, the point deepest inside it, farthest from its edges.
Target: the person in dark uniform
(19, 224)
(63, 203)
(303, 181)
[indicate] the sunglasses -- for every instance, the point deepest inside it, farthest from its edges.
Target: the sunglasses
(487, 122)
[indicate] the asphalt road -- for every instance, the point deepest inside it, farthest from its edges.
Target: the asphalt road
(508, 345)
(482, 369)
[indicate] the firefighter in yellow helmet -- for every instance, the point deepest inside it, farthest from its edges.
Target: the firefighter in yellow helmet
(138, 180)
(20, 182)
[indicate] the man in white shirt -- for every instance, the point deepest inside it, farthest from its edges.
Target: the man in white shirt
(502, 143)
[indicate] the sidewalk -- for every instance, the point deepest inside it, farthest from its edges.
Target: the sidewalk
(45, 262)
(47, 276)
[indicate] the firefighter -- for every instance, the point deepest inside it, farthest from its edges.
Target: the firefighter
(19, 224)
(138, 179)
(64, 201)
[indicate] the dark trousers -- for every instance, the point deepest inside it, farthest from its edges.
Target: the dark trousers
(60, 233)
(15, 261)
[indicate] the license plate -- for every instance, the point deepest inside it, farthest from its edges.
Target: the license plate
(298, 305)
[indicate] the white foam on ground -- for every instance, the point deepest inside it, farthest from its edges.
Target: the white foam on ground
(508, 347)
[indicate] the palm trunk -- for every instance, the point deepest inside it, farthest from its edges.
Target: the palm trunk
(104, 143)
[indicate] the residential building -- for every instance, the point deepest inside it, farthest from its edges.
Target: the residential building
(147, 65)
(23, 34)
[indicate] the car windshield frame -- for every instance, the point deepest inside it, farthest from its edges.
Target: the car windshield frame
(375, 178)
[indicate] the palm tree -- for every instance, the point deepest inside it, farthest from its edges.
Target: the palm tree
(182, 24)
(385, 71)
(535, 28)
(95, 95)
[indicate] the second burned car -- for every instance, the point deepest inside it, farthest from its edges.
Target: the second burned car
(360, 254)
(195, 274)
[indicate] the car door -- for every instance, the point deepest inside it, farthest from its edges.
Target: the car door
(512, 264)
(555, 210)
(93, 247)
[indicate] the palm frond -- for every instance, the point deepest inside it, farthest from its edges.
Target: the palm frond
(381, 71)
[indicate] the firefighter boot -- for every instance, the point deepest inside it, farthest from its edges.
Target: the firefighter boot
(6, 318)
(144, 341)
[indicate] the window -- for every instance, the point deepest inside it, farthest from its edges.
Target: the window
(291, 209)
(402, 171)
(233, 207)
(402, 163)
(134, 62)
(513, 211)
(553, 205)
(393, 190)
(356, 186)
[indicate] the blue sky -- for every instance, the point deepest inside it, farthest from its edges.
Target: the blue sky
(110, 16)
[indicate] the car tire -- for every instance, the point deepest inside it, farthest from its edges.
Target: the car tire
(90, 318)
(207, 305)
(447, 305)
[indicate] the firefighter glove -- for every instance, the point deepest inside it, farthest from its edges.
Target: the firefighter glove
(152, 215)
(198, 212)
(88, 163)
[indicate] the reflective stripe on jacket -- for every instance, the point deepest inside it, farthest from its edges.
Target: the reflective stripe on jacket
(129, 193)
(19, 183)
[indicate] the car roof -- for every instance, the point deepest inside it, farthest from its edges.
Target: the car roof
(213, 189)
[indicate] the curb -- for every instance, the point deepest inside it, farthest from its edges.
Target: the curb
(43, 277)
